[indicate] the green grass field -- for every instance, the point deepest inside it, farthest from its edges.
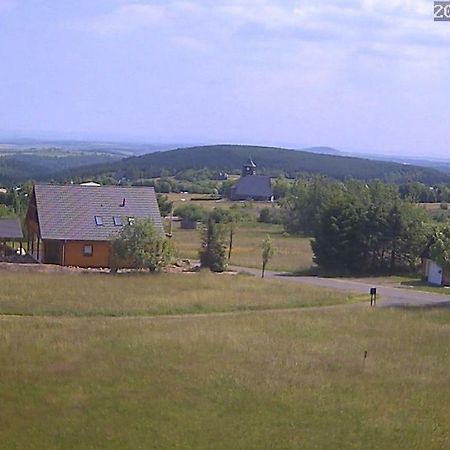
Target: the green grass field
(285, 380)
(292, 253)
(142, 294)
(182, 199)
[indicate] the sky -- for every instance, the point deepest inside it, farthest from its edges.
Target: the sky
(357, 75)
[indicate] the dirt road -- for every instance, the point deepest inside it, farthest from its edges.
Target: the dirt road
(388, 296)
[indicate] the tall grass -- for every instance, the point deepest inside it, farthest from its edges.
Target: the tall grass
(293, 380)
(143, 294)
(292, 253)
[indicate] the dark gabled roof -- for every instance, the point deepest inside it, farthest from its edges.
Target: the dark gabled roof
(69, 212)
(10, 229)
(253, 186)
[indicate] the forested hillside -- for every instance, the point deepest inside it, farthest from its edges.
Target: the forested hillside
(17, 167)
(269, 160)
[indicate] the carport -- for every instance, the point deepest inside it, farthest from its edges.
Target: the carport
(10, 231)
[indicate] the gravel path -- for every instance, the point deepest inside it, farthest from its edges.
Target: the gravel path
(387, 296)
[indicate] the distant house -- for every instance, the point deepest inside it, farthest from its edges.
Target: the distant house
(73, 225)
(251, 186)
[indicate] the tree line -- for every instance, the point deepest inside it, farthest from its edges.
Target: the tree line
(357, 227)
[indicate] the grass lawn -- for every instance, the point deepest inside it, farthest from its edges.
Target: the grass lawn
(420, 285)
(292, 253)
(143, 294)
(412, 281)
(251, 207)
(289, 380)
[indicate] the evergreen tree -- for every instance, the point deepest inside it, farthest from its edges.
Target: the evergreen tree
(212, 254)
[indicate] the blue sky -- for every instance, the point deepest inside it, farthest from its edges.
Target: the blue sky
(356, 75)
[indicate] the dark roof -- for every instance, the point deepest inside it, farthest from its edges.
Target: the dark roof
(10, 229)
(69, 212)
(253, 186)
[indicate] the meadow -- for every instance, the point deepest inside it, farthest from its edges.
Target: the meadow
(50, 294)
(286, 380)
(292, 253)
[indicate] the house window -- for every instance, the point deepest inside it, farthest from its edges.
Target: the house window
(117, 221)
(131, 221)
(98, 221)
(88, 250)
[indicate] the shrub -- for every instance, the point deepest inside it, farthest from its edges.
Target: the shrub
(141, 246)
(270, 215)
(191, 212)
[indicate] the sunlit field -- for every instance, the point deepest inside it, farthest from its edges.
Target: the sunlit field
(288, 380)
(144, 294)
(203, 200)
(292, 253)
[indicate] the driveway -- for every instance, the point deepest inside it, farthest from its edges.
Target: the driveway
(388, 296)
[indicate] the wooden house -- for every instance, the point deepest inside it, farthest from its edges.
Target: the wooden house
(73, 225)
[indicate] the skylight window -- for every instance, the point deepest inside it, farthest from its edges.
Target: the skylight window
(99, 221)
(117, 221)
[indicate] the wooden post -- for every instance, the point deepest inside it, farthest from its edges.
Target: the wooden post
(373, 296)
(171, 221)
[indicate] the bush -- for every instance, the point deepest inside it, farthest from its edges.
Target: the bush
(191, 212)
(164, 204)
(141, 246)
(270, 215)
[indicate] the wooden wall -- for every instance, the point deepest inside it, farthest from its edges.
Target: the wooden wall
(73, 254)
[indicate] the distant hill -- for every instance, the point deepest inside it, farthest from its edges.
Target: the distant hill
(19, 166)
(16, 145)
(269, 160)
(323, 150)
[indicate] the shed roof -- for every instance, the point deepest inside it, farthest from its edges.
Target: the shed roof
(10, 229)
(70, 212)
(253, 186)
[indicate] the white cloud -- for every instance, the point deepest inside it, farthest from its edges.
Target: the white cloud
(272, 30)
